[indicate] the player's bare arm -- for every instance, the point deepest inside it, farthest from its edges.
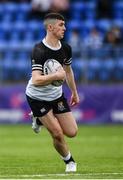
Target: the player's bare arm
(71, 83)
(39, 79)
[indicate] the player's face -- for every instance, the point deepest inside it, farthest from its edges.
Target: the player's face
(59, 29)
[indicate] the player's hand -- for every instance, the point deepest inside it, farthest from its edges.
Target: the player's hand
(60, 74)
(74, 99)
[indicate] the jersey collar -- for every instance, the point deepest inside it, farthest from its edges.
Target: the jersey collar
(50, 47)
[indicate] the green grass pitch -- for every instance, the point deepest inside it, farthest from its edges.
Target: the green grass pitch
(98, 151)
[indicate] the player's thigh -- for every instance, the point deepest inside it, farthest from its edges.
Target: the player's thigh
(52, 124)
(67, 123)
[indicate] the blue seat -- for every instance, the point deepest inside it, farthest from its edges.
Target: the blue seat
(118, 14)
(24, 7)
(20, 28)
(90, 10)
(6, 29)
(27, 45)
(23, 65)
(73, 24)
(10, 7)
(88, 24)
(8, 66)
(106, 51)
(118, 6)
(107, 69)
(35, 30)
(19, 25)
(22, 12)
(14, 45)
(109, 64)
(2, 34)
(1, 12)
(104, 25)
(119, 69)
(15, 68)
(77, 10)
(29, 36)
(79, 66)
(35, 25)
(21, 17)
(118, 22)
(3, 45)
(8, 17)
(15, 36)
(94, 66)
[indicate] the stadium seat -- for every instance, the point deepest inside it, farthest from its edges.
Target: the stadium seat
(74, 25)
(94, 66)
(79, 67)
(15, 36)
(29, 36)
(104, 25)
(21, 17)
(7, 18)
(118, 6)
(2, 34)
(118, 22)
(106, 71)
(24, 7)
(90, 10)
(89, 24)
(27, 45)
(22, 12)
(23, 65)
(18, 33)
(119, 69)
(86, 26)
(8, 66)
(20, 28)
(7, 29)
(34, 25)
(77, 10)
(106, 52)
(10, 7)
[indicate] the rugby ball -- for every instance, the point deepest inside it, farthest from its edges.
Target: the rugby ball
(51, 66)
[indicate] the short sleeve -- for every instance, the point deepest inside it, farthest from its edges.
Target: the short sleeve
(36, 59)
(68, 52)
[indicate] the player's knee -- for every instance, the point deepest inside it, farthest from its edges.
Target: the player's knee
(57, 134)
(72, 132)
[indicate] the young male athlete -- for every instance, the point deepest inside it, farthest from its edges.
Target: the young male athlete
(47, 102)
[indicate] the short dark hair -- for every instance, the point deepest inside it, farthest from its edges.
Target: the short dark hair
(54, 16)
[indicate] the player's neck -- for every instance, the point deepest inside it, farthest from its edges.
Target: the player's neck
(51, 41)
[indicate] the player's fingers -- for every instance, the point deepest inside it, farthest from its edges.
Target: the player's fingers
(60, 68)
(73, 104)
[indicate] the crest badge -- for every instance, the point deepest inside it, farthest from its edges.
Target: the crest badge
(61, 106)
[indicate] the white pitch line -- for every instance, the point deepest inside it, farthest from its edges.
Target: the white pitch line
(62, 174)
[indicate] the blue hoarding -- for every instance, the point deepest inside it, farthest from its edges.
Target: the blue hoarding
(98, 104)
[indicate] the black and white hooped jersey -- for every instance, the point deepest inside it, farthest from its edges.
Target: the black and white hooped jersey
(40, 54)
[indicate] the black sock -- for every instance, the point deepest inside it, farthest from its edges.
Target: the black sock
(69, 160)
(38, 122)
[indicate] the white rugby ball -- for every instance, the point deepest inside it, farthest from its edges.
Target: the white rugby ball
(51, 66)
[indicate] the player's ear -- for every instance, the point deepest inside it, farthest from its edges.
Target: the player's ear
(50, 27)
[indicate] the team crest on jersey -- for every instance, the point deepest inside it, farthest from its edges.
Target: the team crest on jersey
(61, 106)
(43, 110)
